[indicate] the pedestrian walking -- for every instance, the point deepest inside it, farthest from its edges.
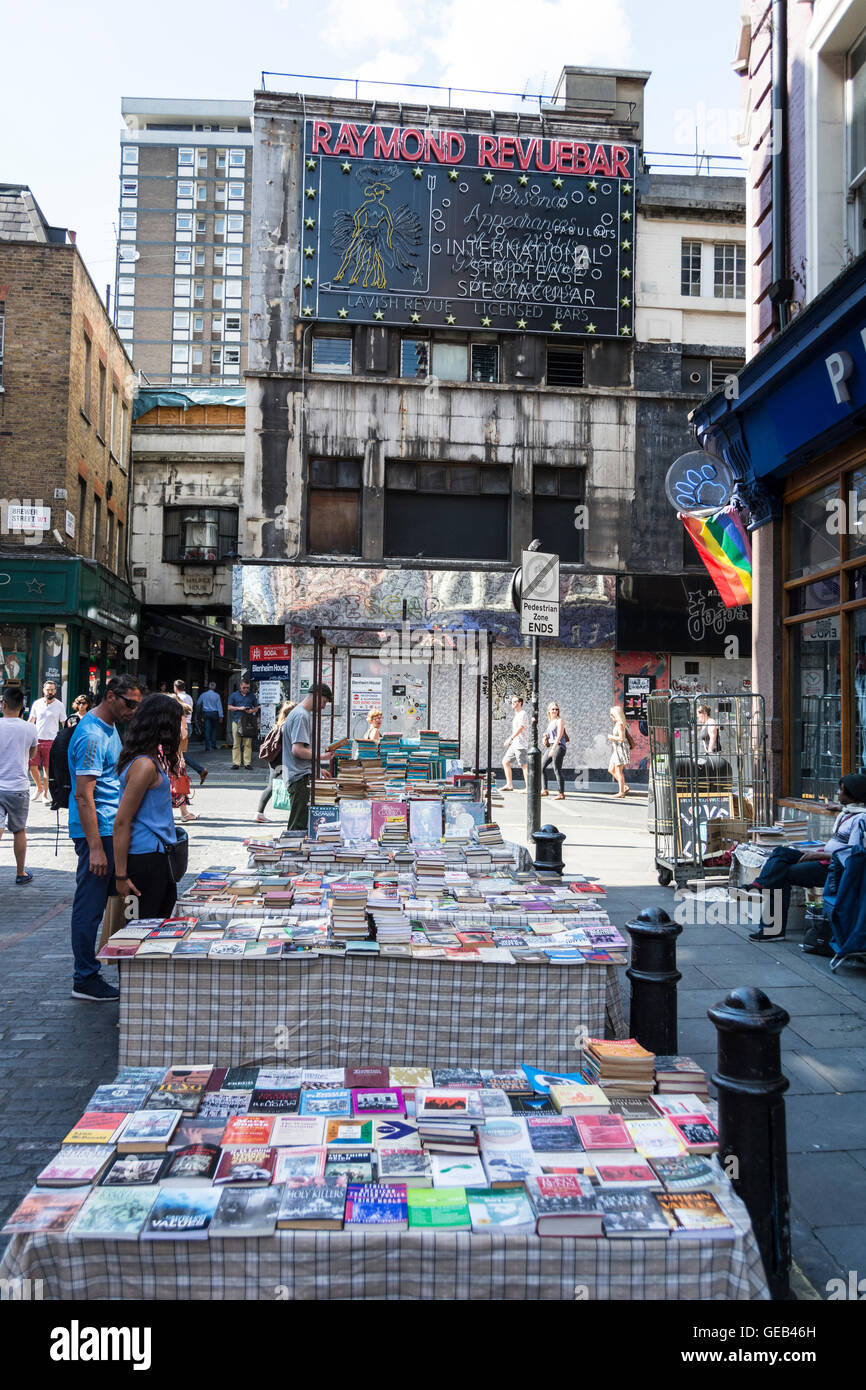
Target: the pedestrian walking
(272, 752)
(622, 742)
(211, 708)
(186, 701)
(144, 825)
(48, 715)
(517, 743)
(80, 706)
(787, 867)
(18, 738)
(93, 753)
(243, 711)
(298, 753)
(555, 740)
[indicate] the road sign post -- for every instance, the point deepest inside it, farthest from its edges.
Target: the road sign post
(535, 594)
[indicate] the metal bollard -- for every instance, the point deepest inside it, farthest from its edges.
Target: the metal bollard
(654, 978)
(752, 1142)
(548, 850)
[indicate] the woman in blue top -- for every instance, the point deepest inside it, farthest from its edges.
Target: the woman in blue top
(145, 823)
(555, 739)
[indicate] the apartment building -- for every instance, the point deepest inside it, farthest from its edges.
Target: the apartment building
(181, 289)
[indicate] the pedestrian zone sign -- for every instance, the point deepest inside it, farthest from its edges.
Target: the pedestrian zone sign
(539, 597)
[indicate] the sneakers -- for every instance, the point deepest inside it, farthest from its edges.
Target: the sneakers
(26, 877)
(95, 991)
(261, 817)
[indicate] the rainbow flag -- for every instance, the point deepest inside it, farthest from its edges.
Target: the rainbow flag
(723, 545)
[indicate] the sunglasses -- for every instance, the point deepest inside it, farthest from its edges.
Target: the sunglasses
(130, 704)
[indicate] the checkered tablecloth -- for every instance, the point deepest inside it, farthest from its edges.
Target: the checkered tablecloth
(325, 1012)
(375, 1265)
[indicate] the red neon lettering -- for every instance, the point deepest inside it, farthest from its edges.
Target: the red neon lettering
(456, 147)
(619, 161)
(321, 137)
(565, 156)
(545, 168)
(435, 145)
(487, 151)
(599, 162)
(404, 139)
(345, 142)
(386, 149)
(361, 140)
(523, 159)
(506, 151)
(581, 158)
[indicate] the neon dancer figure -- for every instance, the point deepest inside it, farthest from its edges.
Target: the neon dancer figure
(370, 237)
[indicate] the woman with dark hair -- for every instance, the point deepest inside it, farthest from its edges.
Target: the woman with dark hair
(144, 825)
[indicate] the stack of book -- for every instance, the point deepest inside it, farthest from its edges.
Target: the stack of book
(390, 922)
(326, 791)
(448, 1120)
(395, 831)
(489, 833)
(348, 911)
(350, 779)
(621, 1068)
(677, 1073)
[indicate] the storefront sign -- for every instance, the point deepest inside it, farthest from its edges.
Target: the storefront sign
(271, 662)
(822, 630)
(446, 228)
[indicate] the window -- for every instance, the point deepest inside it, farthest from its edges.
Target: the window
(334, 512)
(729, 270)
(198, 323)
(690, 264)
(202, 159)
(88, 375)
(235, 223)
(332, 355)
(128, 253)
(180, 322)
(219, 226)
(201, 192)
(218, 256)
(447, 511)
(183, 222)
(216, 357)
(184, 188)
(128, 219)
(414, 357)
(721, 371)
(450, 361)
(565, 366)
(216, 325)
(118, 559)
(96, 527)
(103, 403)
(179, 354)
(124, 434)
(82, 512)
(126, 285)
(234, 256)
(114, 436)
(220, 159)
(196, 534)
(233, 323)
(484, 362)
(556, 494)
(201, 225)
(220, 193)
(109, 538)
(198, 292)
(185, 157)
(857, 143)
(232, 357)
(236, 190)
(129, 155)
(199, 256)
(129, 188)
(125, 318)
(237, 161)
(218, 287)
(182, 256)
(3, 335)
(196, 357)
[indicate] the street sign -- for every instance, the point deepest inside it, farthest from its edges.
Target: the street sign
(271, 662)
(539, 594)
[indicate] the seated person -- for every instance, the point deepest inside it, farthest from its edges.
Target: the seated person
(788, 867)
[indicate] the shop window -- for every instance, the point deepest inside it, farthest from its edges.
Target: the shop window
(203, 535)
(451, 361)
(816, 742)
(447, 511)
(813, 546)
(557, 493)
(14, 654)
(565, 366)
(334, 510)
(332, 355)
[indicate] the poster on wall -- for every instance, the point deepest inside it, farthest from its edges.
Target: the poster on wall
(635, 693)
(365, 693)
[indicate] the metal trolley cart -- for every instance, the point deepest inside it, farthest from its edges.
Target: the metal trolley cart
(709, 779)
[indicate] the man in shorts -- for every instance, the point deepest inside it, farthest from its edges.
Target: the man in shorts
(17, 741)
(516, 746)
(48, 715)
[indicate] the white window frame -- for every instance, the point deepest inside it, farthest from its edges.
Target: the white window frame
(129, 155)
(125, 318)
(198, 291)
(183, 222)
(199, 257)
(182, 255)
(129, 188)
(198, 323)
(236, 190)
(185, 188)
(233, 327)
(235, 222)
(196, 357)
(238, 160)
(186, 158)
(231, 356)
(220, 193)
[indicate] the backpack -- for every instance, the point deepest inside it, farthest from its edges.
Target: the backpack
(272, 744)
(59, 776)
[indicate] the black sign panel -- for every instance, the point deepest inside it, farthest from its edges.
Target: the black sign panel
(446, 229)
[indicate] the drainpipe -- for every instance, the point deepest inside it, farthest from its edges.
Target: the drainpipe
(782, 288)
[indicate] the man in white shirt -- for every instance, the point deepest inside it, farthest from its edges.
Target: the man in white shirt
(518, 743)
(180, 694)
(17, 740)
(48, 715)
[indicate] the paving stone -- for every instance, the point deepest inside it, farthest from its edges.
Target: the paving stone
(830, 1031)
(818, 1123)
(823, 1185)
(847, 1245)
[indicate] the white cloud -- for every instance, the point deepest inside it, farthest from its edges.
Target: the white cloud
(350, 25)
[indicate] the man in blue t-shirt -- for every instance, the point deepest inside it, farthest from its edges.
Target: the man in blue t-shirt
(93, 752)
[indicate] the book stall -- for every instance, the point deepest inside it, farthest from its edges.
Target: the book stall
(456, 947)
(396, 1181)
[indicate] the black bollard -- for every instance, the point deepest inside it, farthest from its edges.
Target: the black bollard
(654, 978)
(752, 1143)
(548, 850)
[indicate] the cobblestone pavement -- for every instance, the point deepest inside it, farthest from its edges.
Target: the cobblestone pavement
(54, 1050)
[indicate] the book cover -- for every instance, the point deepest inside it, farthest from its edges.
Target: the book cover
(678, 1104)
(425, 822)
(248, 1129)
(632, 1214)
(316, 1204)
(327, 1102)
(553, 1134)
(507, 1132)
(323, 1076)
(355, 1165)
(694, 1211)
(438, 1209)
(355, 1133)
(395, 1134)
(240, 1079)
(275, 1102)
(412, 1167)
(279, 1079)
(613, 1175)
(47, 1211)
(696, 1132)
(114, 1213)
(573, 1100)
(377, 1204)
(297, 1164)
(76, 1165)
(297, 1131)
(201, 1129)
(530, 1103)
(355, 822)
(380, 811)
(97, 1127)
(246, 1213)
(135, 1170)
(140, 1076)
(505, 1209)
(182, 1213)
(448, 1103)
(378, 1101)
(686, 1172)
(495, 1104)
(197, 1163)
(318, 816)
(504, 1166)
(366, 1077)
(603, 1132)
(409, 1077)
(150, 1131)
(248, 1163)
(457, 1170)
(655, 1138)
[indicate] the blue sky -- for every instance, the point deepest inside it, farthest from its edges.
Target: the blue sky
(66, 68)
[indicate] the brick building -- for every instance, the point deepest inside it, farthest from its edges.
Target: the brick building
(66, 608)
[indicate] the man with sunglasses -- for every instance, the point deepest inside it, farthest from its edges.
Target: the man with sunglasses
(93, 752)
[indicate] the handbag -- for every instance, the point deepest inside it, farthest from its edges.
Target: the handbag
(248, 725)
(280, 797)
(272, 744)
(180, 790)
(176, 853)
